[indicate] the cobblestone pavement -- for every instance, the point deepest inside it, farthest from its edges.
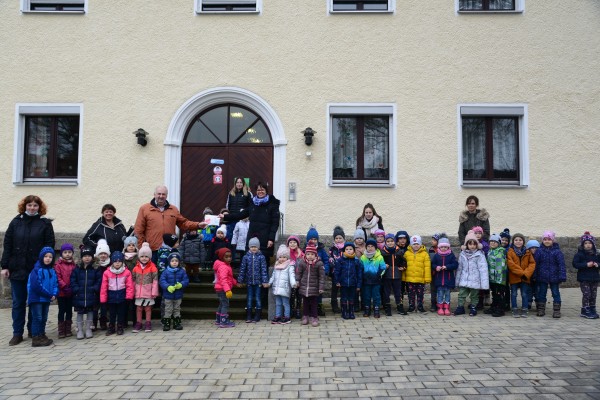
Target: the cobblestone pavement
(420, 355)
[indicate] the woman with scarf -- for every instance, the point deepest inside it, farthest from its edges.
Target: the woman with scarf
(369, 221)
(107, 227)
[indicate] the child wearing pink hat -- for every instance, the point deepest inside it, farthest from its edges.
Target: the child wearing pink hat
(550, 271)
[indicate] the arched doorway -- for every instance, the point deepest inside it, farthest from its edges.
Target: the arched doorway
(230, 137)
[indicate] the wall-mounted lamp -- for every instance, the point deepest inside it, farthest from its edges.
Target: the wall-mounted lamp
(141, 134)
(308, 135)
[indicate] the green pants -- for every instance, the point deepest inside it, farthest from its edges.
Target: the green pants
(464, 292)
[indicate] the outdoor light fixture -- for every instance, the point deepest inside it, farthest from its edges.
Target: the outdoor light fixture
(141, 134)
(308, 135)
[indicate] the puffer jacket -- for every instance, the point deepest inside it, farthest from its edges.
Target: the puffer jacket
(224, 280)
(145, 281)
(23, 240)
(100, 230)
(335, 253)
(519, 266)
(117, 286)
(283, 279)
(445, 277)
(63, 270)
(372, 268)
(585, 273)
(550, 264)
(418, 266)
(240, 235)
(311, 278)
(468, 221)
(323, 256)
(192, 249)
(253, 270)
(472, 270)
(238, 202)
(42, 284)
(348, 272)
(85, 285)
(170, 277)
(497, 268)
(395, 261)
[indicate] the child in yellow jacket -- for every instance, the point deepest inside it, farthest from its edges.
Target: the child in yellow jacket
(418, 272)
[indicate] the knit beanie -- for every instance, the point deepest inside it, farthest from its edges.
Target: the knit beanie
(401, 234)
(207, 211)
(477, 229)
(312, 234)
(416, 239)
(390, 236)
(130, 240)
(495, 238)
(359, 234)
(117, 256)
(436, 236)
(223, 228)
(311, 249)
(371, 242)
(549, 234)
(294, 238)
(379, 232)
(66, 246)
(254, 242)
(145, 250)
(174, 254)
(518, 235)
(338, 231)
(471, 236)
(505, 233)
(85, 251)
(443, 242)
(221, 253)
(44, 251)
(588, 237)
(349, 244)
(283, 251)
(102, 247)
(169, 239)
(532, 243)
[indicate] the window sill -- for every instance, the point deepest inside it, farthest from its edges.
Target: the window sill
(48, 182)
(363, 12)
(491, 185)
(361, 184)
(490, 12)
(227, 12)
(52, 12)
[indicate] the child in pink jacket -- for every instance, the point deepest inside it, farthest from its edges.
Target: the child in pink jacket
(64, 268)
(116, 289)
(224, 282)
(145, 287)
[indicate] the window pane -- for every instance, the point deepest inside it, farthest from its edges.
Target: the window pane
(505, 145)
(344, 148)
(502, 4)
(240, 120)
(39, 134)
(473, 143)
(471, 5)
(257, 134)
(67, 146)
(376, 147)
(216, 122)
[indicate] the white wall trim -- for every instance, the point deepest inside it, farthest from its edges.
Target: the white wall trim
(205, 99)
(26, 6)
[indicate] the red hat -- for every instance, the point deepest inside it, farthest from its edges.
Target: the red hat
(221, 253)
(311, 249)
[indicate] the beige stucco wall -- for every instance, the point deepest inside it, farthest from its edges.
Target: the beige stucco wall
(133, 64)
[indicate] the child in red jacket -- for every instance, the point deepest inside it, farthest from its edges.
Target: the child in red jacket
(63, 268)
(116, 290)
(224, 282)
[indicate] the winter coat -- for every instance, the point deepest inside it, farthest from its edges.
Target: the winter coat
(323, 256)
(117, 286)
(217, 244)
(335, 254)
(192, 249)
(170, 277)
(151, 223)
(145, 281)
(162, 258)
(446, 277)
(550, 264)
(311, 278)
(240, 235)
(348, 272)
(519, 266)
(24, 238)
(238, 202)
(418, 266)
(282, 280)
(394, 260)
(42, 284)
(224, 280)
(497, 268)
(63, 271)
(85, 285)
(472, 270)
(130, 264)
(372, 268)
(585, 273)
(468, 221)
(100, 230)
(253, 270)
(264, 222)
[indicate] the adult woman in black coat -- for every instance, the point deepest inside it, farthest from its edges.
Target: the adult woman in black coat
(26, 235)
(263, 214)
(238, 199)
(107, 227)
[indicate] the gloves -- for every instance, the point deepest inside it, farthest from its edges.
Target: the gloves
(524, 277)
(178, 285)
(171, 289)
(228, 294)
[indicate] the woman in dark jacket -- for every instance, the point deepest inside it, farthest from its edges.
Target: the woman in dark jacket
(106, 227)
(263, 214)
(26, 235)
(471, 217)
(238, 199)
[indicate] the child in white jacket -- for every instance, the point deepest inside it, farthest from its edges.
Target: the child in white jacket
(238, 240)
(282, 281)
(472, 274)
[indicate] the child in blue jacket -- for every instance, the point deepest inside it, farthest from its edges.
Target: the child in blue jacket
(550, 270)
(443, 268)
(587, 263)
(373, 266)
(348, 278)
(172, 282)
(42, 288)
(253, 273)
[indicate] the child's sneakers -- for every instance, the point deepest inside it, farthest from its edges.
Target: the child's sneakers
(315, 322)
(420, 308)
(460, 310)
(516, 313)
(304, 320)
(275, 320)
(148, 327)
(524, 312)
(285, 321)
(400, 309)
(472, 310)
(137, 327)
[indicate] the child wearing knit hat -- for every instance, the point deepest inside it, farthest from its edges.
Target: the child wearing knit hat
(472, 274)
(550, 270)
(64, 268)
(293, 243)
(311, 280)
(497, 270)
(312, 239)
(587, 263)
(102, 264)
(417, 274)
(380, 238)
(373, 267)
(116, 289)
(145, 282)
(253, 274)
(282, 281)
(348, 278)
(335, 252)
(85, 285)
(173, 282)
(392, 278)
(224, 283)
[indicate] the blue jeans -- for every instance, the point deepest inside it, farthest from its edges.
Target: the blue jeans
(524, 287)
(19, 306)
(369, 292)
(39, 317)
(253, 294)
(443, 295)
(282, 302)
(543, 290)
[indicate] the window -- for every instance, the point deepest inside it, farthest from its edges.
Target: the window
(361, 143)
(361, 5)
(53, 6)
(228, 6)
(490, 5)
(493, 145)
(47, 144)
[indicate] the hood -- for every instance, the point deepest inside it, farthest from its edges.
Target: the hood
(481, 214)
(43, 252)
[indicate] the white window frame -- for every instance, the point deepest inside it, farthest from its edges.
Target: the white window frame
(391, 9)
(24, 109)
(519, 9)
(26, 6)
(362, 109)
(497, 110)
(199, 11)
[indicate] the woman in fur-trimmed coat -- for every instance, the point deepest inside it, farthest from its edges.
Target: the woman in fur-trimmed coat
(471, 217)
